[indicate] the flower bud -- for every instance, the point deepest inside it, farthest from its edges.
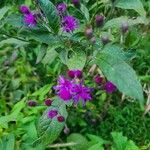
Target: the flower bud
(60, 119)
(89, 32)
(71, 73)
(24, 9)
(98, 79)
(109, 87)
(93, 40)
(99, 20)
(78, 73)
(105, 39)
(52, 113)
(124, 27)
(76, 3)
(32, 103)
(66, 130)
(48, 102)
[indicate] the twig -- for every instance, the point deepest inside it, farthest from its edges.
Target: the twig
(62, 145)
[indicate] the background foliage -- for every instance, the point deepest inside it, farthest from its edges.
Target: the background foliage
(31, 64)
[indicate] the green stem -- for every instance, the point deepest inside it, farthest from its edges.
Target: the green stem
(62, 145)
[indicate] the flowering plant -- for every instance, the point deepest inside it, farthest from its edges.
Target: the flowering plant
(83, 41)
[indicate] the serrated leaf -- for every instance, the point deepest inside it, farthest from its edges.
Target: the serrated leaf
(77, 61)
(121, 74)
(49, 129)
(51, 13)
(131, 4)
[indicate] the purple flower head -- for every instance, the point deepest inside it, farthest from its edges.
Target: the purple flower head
(75, 73)
(52, 113)
(98, 79)
(24, 9)
(99, 20)
(81, 93)
(64, 88)
(30, 20)
(61, 7)
(69, 23)
(48, 102)
(76, 3)
(109, 87)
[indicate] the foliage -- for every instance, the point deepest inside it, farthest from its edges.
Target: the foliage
(33, 56)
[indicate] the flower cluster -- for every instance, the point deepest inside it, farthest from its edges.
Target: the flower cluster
(54, 113)
(73, 89)
(29, 17)
(108, 86)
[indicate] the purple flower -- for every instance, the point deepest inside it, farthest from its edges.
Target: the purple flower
(109, 87)
(69, 23)
(61, 7)
(75, 73)
(52, 113)
(81, 93)
(64, 88)
(30, 20)
(24, 9)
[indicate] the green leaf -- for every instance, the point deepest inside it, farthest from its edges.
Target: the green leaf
(131, 4)
(77, 61)
(116, 51)
(97, 146)
(13, 41)
(50, 56)
(3, 11)
(7, 142)
(50, 12)
(41, 53)
(96, 139)
(121, 74)
(117, 22)
(122, 143)
(49, 129)
(15, 20)
(80, 140)
(4, 120)
(85, 12)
